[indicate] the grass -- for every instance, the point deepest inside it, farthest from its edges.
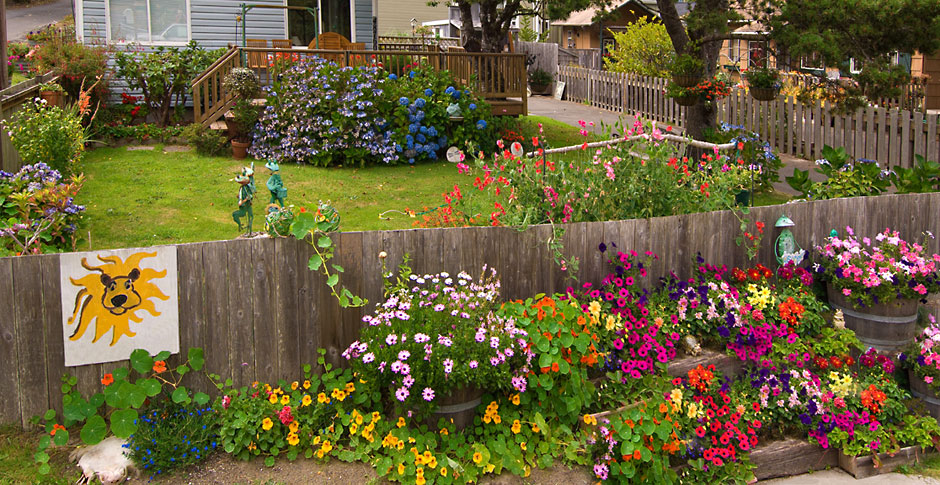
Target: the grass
(16, 460)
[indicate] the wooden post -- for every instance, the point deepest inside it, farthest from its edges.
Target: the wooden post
(4, 80)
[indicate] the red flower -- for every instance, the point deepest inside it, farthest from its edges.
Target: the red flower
(108, 379)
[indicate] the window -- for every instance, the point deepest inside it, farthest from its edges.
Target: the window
(734, 50)
(756, 54)
(570, 38)
(148, 21)
(813, 61)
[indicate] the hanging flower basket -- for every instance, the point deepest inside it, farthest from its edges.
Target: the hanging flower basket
(689, 100)
(686, 81)
(764, 94)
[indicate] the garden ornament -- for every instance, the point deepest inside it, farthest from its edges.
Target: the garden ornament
(275, 185)
(454, 155)
(691, 346)
(786, 248)
(838, 320)
(107, 461)
(245, 196)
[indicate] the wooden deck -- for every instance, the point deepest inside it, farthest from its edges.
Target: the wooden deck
(500, 79)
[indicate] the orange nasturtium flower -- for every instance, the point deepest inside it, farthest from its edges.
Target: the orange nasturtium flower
(108, 379)
(56, 427)
(159, 366)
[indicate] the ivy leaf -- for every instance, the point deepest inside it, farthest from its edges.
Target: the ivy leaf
(124, 422)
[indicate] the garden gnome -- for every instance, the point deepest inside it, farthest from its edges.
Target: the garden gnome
(245, 196)
(275, 185)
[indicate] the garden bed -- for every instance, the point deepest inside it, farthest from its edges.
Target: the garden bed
(791, 457)
(866, 466)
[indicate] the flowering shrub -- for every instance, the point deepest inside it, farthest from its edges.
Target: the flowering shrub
(708, 90)
(752, 153)
(438, 333)
(891, 269)
(171, 436)
(38, 209)
(77, 64)
(47, 134)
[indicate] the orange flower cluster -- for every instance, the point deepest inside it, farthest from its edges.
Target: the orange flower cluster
(872, 398)
(590, 358)
(791, 311)
(700, 377)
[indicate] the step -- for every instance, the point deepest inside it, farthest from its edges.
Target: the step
(219, 125)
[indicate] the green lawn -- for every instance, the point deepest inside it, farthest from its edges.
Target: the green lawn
(16, 460)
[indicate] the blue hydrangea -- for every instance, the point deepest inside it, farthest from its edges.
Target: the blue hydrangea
(413, 128)
(428, 92)
(420, 138)
(411, 75)
(420, 102)
(481, 124)
(432, 131)
(403, 101)
(450, 90)
(424, 129)
(473, 106)
(393, 77)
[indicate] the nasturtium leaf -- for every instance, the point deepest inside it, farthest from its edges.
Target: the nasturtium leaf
(120, 373)
(545, 360)
(150, 387)
(163, 355)
(44, 441)
(61, 437)
(96, 400)
(180, 395)
(546, 382)
(141, 361)
(124, 422)
(196, 358)
(94, 430)
(44, 469)
(201, 398)
(566, 340)
(50, 415)
(269, 461)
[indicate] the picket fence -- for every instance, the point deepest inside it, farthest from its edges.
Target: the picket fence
(891, 137)
(260, 314)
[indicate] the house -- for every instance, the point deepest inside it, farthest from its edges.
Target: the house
(395, 15)
(451, 26)
(589, 28)
(216, 23)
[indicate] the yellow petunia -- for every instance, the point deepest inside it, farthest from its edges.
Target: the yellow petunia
(595, 308)
(285, 400)
(267, 424)
(306, 384)
(306, 400)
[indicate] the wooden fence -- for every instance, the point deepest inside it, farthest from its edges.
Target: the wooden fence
(544, 55)
(260, 314)
(890, 136)
(11, 99)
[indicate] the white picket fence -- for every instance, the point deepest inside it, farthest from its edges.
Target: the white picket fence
(890, 136)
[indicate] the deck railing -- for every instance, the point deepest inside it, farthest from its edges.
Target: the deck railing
(498, 78)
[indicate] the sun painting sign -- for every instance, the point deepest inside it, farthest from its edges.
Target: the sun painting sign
(116, 301)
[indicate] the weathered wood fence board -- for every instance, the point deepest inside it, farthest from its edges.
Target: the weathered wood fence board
(260, 314)
(891, 137)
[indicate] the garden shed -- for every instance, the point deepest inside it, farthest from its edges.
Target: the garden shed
(213, 23)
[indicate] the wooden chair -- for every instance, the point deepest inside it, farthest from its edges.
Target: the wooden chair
(282, 44)
(257, 60)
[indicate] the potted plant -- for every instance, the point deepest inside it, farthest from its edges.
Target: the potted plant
(922, 360)
(540, 80)
(52, 93)
(877, 286)
(244, 84)
(687, 70)
(438, 339)
(763, 83)
(709, 91)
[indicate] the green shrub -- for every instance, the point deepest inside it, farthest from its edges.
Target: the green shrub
(77, 64)
(643, 48)
(143, 133)
(205, 141)
(171, 436)
(844, 178)
(47, 134)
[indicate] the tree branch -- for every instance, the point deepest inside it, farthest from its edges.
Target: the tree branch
(673, 24)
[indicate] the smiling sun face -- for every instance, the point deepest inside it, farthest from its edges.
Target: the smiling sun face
(113, 297)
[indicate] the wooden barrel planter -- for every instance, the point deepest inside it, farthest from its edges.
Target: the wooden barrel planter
(687, 81)
(53, 98)
(460, 407)
(922, 391)
(764, 94)
(884, 327)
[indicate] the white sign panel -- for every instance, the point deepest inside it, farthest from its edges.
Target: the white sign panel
(116, 301)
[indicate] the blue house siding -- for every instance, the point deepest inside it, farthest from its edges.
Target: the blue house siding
(363, 22)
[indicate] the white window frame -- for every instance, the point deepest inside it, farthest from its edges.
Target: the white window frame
(803, 65)
(189, 27)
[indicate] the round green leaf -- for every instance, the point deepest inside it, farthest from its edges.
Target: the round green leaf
(180, 395)
(94, 430)
(150, 387)
(201, 398)
(50, 415)
(269, 461)
(141, 361)
(44, 469)
(44, 441)
(124, 422)
(196, 358)
(61, 438)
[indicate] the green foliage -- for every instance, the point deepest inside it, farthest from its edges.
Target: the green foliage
(142, 133)
(210, 143)
(242, 82)
(315, 228)
(172, 435)
(752, 152)
(540, 77)
(245, 117)
(75, 63)
(924, 176)
(686, 65)
(126, 389)
(643, 48)
(163, 75)
(762, 77)
(47, 134)
(844, 178)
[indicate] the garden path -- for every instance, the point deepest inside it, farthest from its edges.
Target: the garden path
(571, 113)
(839, 477)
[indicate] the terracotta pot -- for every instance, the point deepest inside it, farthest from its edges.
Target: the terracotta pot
(764, 94)
(53, 98)
(687, 81)
(886, 326)
(240, 149)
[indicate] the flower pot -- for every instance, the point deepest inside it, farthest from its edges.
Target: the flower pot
(886, 326)
(764, 94)
(240, 149)
(743, 198)
(52, 98)
(460, 407)
(687, 100)
(686, 81)
(922, 391)
(538, 88)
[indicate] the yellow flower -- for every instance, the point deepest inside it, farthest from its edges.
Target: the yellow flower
(590, 420)
(433, 462)
(497, 419)
(306, 384)
(353, 428)
(489, 468)
(401, 422)
(293, 426)
(358, 418)
(306, 400)
(487, 419)
(278, 391)
(676, 396)
(285, 400)
(420, 472)
(443, 471)
(294, 385)
(327, 446)
(419, 480)
(595, 308)
(316, 441)
(376, 416)
(321, 398)
(477, 457)
(411, 440)
(522, 445)
(341, 395)
(535, 428)
(267, 388)
(273, 398)
(319, 453)
(516, 427)
(292, 439)
(267, 424)
(400, 445)
(515, 399)
(350, 387)
(252, 446)
(401, 468)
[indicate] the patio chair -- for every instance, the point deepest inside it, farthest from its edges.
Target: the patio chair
(282, 44)
(257, 60)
